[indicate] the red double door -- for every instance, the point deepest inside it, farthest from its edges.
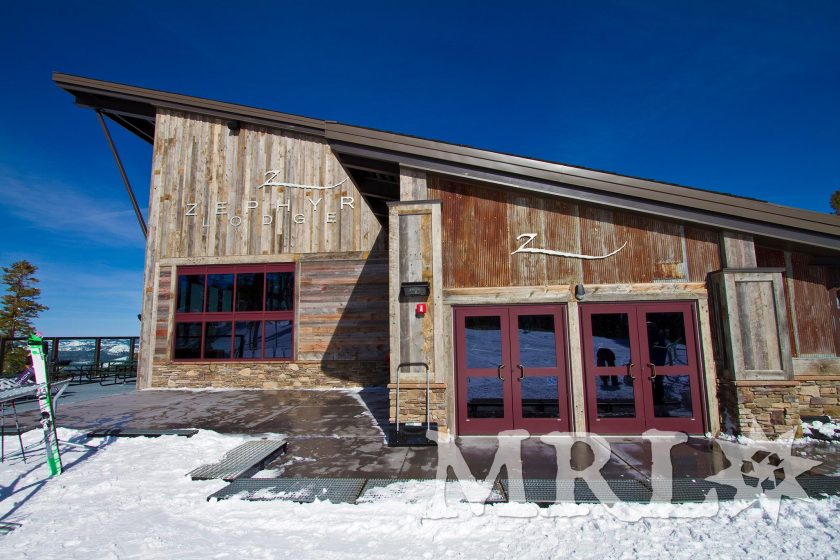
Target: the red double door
(511, 369)
(640, 361)
(642, 368)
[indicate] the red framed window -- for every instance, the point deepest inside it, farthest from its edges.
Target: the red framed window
(243, 312)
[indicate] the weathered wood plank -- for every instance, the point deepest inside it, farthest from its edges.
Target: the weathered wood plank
(202, 163)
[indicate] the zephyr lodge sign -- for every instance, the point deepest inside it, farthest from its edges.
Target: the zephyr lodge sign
(222, 210)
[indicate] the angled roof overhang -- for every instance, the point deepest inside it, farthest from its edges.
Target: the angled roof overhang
(379, 154)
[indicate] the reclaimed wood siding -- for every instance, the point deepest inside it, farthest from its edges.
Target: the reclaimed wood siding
(197, 160)
(343, 310)
(481, 224)
(165, 292)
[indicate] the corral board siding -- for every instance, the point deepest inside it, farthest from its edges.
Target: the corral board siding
(199, 161)
(343, 310)
(481, 224)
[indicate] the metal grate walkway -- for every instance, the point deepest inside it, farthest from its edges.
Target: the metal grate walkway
(243, 460)
(303, 490)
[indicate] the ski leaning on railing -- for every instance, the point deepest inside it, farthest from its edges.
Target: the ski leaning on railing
(36, 351)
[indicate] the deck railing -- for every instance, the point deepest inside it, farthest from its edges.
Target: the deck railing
(83, 359)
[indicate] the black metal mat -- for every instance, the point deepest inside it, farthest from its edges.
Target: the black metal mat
(130, 432)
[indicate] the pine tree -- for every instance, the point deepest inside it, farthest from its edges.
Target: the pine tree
(19, 308)
(835, 202)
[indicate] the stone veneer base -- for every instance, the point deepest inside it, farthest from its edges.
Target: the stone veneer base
(270, 375)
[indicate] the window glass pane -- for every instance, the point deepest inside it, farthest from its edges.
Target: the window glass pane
(611, 339)
(191, 293)
(187, 341)
(485, 397)
(279, 291)
(249, 291)
(483, 339)
(219, 292)
(217, 340)
(278, 339)
(247, 339)
(666, 338)
(537, 341)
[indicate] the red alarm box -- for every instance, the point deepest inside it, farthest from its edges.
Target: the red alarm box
(420, 309)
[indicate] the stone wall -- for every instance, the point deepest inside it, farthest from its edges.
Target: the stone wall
(413, 404)
(773, 405)
(777, 406)
(819, 397)
(270, 375)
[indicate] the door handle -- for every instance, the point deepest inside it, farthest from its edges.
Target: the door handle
(653, 371)
(499, 371)
(521, 371)
(630, 367)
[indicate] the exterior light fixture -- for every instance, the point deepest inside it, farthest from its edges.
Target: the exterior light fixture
(580, 293)
(414, 289)
(233, 126)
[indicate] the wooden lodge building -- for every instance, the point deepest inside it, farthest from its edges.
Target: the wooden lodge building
(291, 252)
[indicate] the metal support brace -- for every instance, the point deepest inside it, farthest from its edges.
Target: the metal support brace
(122, 173)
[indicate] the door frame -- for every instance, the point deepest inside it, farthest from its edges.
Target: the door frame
(563, 348)
(636, 426)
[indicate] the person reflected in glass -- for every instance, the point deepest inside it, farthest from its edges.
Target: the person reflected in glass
(606, 358)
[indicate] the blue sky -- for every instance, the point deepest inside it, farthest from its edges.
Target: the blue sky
(738, 97)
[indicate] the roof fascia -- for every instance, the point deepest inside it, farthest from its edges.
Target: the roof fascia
(599, 197)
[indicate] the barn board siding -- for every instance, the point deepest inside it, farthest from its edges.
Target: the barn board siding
(197, 160)
(343, 310)
(481, 224)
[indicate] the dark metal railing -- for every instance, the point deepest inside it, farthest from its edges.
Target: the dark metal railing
(82, 359)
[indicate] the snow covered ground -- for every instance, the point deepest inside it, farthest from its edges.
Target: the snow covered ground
(130, 498)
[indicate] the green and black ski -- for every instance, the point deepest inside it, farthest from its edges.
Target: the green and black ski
(36, 351)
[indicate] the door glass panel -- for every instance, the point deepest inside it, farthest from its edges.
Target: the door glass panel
(611, 340)
(485, 397)
(672, 396)
(537, 341)
(615, 396)
(483, 338)
(540, 398)
(666, 338)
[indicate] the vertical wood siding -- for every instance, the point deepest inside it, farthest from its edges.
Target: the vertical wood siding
(481, 224)
(197, 160)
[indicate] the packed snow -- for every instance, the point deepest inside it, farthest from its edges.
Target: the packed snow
(130, 498)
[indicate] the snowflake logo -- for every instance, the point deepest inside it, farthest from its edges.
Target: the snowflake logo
(764, 470)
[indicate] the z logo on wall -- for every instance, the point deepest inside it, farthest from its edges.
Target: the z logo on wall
(531, 236)
(272, 182)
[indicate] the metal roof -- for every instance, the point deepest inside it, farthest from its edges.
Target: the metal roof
(135, 109)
